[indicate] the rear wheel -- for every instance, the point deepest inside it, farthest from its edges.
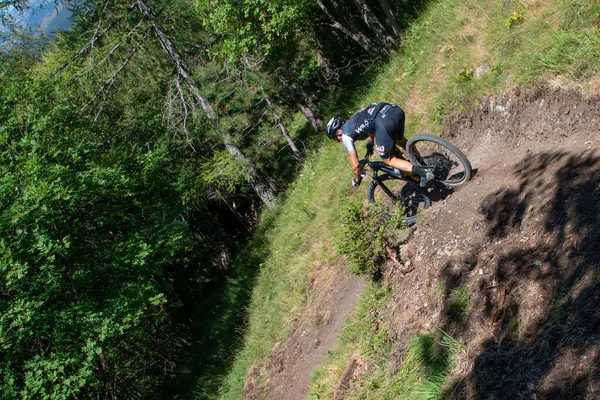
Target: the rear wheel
(396, 196)
(449, 165)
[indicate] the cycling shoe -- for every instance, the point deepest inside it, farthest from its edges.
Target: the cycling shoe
(425, 180)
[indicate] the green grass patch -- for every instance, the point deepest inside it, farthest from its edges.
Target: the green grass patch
(298, 242)
(432, 75)
(459, 300)
(362, 237)
(559, 313)
(428, 362)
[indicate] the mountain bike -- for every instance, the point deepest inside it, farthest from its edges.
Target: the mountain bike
(396, 192)
(449, 165)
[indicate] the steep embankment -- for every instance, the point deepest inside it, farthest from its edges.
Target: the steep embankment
(521, 239)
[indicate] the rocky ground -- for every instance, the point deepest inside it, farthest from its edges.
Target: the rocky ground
(522, 236)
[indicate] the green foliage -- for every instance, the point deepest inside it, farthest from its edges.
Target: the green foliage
(429, 361)
(255, 26)
(514, 327)
(222, 173)
(458, 304)
(579, 14)
(117, 197)
(560, 311)
(396, 221)
(88, 221)
(515, 18)
(572, 53)
(362, 238)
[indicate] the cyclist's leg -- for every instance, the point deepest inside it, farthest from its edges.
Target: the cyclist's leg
(400, 139)
(389, 126)
(389, 131)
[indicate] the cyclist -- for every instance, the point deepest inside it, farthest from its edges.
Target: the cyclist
(384, 124)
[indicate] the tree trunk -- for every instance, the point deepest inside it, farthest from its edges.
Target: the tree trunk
(282, 127)
(176, 58)
(276, 116)
(314, 121)
(263, 191)
(391, 18)
(373, 23)
(358, 37)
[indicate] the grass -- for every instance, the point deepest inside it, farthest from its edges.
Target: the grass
(359, 221)
(280, 291)
(432, 76)
(428, 362)
(460, 298)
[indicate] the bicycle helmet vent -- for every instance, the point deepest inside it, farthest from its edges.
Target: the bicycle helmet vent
(333, 125)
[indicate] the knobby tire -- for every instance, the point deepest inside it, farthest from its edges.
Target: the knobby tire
(431, 159)
(412, 198)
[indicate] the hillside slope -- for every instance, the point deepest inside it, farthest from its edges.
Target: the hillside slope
(521, 239)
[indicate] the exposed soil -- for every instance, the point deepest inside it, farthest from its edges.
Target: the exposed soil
(285, 374)
(522, 236)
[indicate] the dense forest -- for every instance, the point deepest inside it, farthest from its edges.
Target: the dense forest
(137, 150)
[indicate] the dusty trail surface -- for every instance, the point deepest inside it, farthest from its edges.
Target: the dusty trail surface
(286, 373)
(523, 237)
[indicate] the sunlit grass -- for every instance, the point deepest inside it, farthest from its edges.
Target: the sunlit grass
(299, 244)
(432, 75)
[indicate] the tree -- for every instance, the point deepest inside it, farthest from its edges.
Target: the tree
(132, 151)
(263, 190)
(87, 227)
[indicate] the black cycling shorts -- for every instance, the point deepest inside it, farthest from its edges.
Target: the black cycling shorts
(389, 128)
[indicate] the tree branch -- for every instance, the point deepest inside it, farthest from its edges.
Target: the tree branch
(109, 82)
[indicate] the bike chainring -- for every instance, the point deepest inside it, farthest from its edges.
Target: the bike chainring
(442, 165)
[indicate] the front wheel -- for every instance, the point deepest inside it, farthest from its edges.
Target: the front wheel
(396, 196)
(450, 166)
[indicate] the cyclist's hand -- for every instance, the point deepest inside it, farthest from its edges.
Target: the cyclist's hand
(370, 146)
(356, 182)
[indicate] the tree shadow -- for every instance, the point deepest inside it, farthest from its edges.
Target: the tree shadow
(439, 192)
(215, 325)
(548, 348)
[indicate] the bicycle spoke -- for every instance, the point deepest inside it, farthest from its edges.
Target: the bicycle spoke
(396, 196)
(447, 163)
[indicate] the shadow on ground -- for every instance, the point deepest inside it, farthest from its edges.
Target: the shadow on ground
(545, 310)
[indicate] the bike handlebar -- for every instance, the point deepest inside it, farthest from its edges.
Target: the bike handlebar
(365, 159)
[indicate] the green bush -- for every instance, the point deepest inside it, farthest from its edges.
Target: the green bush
(362, 238)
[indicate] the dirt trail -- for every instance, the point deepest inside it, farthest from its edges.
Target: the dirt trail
(523, 237)
(285, 374)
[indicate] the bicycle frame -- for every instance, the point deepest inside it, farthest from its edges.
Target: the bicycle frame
(377, 166)
(396, 188)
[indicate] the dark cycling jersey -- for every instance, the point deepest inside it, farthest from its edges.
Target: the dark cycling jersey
(361, 125)
(384, 119)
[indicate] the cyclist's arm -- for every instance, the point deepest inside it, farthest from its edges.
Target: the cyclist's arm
(353, 156)
(354, 164)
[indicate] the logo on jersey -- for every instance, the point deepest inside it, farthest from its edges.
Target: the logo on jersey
(370, 111)
(365, 126)
(381, 150)
(383, 111)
